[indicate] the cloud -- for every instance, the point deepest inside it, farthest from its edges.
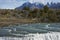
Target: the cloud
(16, 3)
(10, 3)
(40, 1)
(11, 0)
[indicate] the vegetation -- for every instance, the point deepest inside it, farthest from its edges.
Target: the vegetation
(41, 15)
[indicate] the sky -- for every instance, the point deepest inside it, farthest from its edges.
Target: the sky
(11, 4)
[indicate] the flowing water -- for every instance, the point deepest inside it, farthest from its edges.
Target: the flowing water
(38, 31)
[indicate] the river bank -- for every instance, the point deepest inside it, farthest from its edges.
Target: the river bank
(12, 21)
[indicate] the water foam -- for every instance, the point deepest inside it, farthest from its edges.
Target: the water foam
(37, 36)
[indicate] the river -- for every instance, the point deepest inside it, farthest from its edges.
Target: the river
(38, 31)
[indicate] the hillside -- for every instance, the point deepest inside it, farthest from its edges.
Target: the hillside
(27, 15)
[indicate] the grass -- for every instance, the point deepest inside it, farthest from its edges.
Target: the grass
(4, 21)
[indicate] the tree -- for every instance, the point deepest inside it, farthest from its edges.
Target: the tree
(26, 8)
(33, 13)
(46, 9)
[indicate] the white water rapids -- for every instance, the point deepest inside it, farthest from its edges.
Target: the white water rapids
(43, 36)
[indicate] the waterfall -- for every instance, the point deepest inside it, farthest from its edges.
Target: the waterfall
(37, 36)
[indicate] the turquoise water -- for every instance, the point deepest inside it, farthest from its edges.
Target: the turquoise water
(37, 31)
(23, 29)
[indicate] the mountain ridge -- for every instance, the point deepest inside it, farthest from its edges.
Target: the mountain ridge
(39, 5)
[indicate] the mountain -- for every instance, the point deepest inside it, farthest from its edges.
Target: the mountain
(39, 5)
(28, 4)
(54, 5)
(31, 5)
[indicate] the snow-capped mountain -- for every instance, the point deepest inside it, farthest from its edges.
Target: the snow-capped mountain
(31, 5)
(39, 5)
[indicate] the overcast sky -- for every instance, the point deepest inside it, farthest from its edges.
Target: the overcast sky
(11, 4)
